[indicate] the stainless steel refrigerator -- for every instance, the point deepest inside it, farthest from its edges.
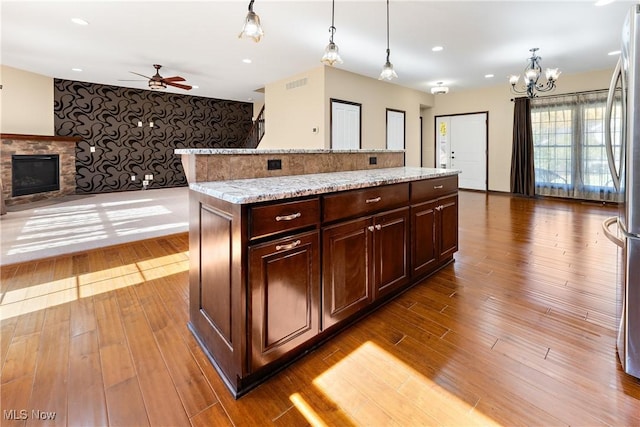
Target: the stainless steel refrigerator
(624, 163)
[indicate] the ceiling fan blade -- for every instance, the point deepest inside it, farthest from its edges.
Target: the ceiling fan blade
(185, 87)
(141, 75)
(173, 79)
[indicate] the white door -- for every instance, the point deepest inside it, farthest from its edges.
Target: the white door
(395, 130)
(345, 126)
(466, 142)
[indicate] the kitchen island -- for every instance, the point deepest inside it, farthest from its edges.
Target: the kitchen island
(281, 264)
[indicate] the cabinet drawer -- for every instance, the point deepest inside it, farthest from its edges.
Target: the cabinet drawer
(275, 218)
(433, 188)
(361, 202)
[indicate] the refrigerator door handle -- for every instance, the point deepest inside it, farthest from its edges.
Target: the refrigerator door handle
(617, 75)
(606, 224)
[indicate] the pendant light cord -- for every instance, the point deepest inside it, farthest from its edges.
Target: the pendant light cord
(251, 6)
(332, 28)
(388, 50)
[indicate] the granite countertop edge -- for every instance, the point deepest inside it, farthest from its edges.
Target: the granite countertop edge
(253, 151)
(255, 190)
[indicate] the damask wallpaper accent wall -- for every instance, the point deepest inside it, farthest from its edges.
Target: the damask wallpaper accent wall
(106, 117)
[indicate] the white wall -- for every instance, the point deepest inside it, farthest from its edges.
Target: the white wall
(497, 101)
(291, 114)
(26, 102)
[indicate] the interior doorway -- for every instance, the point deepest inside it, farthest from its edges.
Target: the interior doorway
(461, 143)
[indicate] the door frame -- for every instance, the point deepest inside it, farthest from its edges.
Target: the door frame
(435, 141)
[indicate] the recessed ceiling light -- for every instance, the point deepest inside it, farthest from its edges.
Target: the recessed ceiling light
(79, 21)
(613, 53)
(195, 87)
(249, 99)
(437, 48)
(489, 76)
(603, 2)
(76, 69)
(246, 61)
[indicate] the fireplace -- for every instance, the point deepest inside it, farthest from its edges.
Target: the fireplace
(32, 174)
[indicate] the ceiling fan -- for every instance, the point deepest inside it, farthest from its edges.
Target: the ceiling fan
(157, 82)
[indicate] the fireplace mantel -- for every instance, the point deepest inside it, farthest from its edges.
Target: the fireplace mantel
(64, 146)
(22, 137)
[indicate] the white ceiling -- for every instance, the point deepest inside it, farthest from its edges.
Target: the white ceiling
(198, 40)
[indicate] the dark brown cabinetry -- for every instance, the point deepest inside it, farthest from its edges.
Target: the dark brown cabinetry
(268, 281)
(284, 282)
(434, 223)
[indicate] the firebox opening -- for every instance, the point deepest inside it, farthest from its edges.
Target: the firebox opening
(33, 174)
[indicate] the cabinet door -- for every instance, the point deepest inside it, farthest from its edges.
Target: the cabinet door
(424, 251)
(284, 281)
(448, 227)
(346, 269)
(391, 251)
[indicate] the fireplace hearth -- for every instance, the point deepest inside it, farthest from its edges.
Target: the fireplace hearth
(33, 174)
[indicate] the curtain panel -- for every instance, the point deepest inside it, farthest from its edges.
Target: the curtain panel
(568, 144)
(522, 164)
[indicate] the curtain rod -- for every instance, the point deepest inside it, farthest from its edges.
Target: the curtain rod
(567, 94)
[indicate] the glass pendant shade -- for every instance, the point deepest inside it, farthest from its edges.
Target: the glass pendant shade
(331, 55)
(388, 72)
(252, 28)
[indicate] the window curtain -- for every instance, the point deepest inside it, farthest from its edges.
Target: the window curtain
(522, 167)
(570, 157)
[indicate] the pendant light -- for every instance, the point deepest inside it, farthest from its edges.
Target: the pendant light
(388, 72)
(252, 28)
(331, 53)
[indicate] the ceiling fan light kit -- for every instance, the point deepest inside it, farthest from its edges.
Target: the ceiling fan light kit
(157, 82)
(532, 72)
(251, 28)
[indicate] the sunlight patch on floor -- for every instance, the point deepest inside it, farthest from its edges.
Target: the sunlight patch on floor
(48, 294)
(374, 387)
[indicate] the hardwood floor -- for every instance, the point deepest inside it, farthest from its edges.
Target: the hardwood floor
(520, 330)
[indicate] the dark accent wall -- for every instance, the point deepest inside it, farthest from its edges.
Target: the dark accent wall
(106, 117)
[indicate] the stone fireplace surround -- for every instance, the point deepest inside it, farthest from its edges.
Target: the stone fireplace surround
(65, 147)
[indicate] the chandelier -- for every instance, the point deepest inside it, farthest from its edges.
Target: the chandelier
(532, 73)
(331, 53)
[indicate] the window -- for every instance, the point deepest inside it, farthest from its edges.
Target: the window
(570, 157)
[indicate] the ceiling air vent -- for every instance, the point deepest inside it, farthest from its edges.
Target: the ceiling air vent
(297, 83)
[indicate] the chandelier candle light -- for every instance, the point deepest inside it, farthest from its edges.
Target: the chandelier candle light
(388, 72)
(532, 73)
(331, 53)
(252, 28)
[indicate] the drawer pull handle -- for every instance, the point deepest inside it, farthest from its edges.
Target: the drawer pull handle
(288, 217)
(288, 246)
(370, 228)
(374, 200)
(438, 187)
(378, 227)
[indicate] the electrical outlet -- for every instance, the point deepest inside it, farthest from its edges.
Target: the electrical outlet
(274, 164)
(92, 149)
(148, 177)
(145, 182)
(373, 160)
(133, 177)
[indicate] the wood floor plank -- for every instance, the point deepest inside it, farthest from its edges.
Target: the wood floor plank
(86, 396)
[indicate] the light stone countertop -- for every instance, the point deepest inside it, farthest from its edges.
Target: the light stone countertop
(245, 191)
(253, 151)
